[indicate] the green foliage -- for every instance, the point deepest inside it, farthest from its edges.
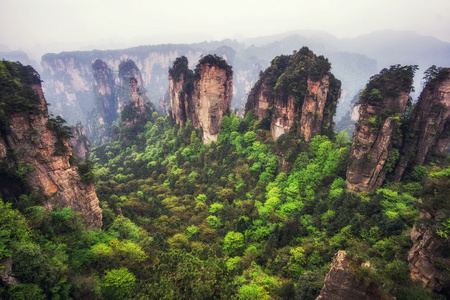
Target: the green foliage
(388, 83)
(86, 171)
(289, 74)
(182, 275)
(26, 291)
(63, 134)
(14, 230)
(233, 243)
(180, 67)
(309, 285)
(183, 220)
(433, 73)
(117, 284)
(16, 83)
(215, 60)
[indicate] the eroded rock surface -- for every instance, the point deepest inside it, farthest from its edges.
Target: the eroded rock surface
(341, 282)
(35, 146)
(202, 97)
(430, 124)
(296, 88)
(381, 106)
(428, 257)
(79, 142)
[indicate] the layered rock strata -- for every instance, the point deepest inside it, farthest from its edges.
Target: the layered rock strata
(430, 124)
(381, 105)
(33, 145)
(205, 95)
(296, 88)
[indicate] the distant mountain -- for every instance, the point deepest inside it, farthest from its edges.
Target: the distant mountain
(21, 56)
(390, 47)
(68, 76)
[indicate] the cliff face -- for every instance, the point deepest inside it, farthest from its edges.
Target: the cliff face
(212, 96)
(341, 282)
(178, 74)
(69, 77)
(314, 106)
(106, 107)
(382, 103)
(430, 124)
(177, 111)
(295, 88)
(131, 88)
(79, 142)
(132, 96)
(38, 148)
(427, 252)
(105, 101)
(201, 97)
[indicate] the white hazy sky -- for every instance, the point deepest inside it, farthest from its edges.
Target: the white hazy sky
(81, 24)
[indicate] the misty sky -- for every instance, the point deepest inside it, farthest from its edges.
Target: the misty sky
(83, 24)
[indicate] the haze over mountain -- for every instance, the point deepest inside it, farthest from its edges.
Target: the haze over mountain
(200, 149)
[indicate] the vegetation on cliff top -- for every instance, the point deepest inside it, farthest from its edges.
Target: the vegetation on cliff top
(289, 74)
(225, 220)
(213, 59)
(180, 66)
(16, 94)
(389, 83)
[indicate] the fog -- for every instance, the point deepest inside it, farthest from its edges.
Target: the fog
(54, 25)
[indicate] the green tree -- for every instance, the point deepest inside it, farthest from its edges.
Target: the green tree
(233, 243)
(117, 283)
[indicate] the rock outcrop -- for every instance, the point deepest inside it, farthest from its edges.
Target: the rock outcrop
(105, 98)
(429, 130)
(7, 277)
(427, 256)
(341, 282)
(69, 77)
(79, 142)
(131, 89)
(296, 88)
(128, 96)
(381, 105)
(106, 107)
(205, 96)
(177, 75)
(36, 151)
(132, 97)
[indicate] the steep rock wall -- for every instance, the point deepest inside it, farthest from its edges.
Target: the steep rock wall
(284, 116)
(69, 79)
(34, 143)
(313, 107)
(105, 101)
(202, 97)
(106, 108)
(177, 111)
(341, 282)
(430, 124)
(426, 254)
(296, 88)
(212, 96)
(381, 105)
(79, 142)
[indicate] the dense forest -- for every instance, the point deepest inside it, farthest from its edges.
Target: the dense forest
(246, 217)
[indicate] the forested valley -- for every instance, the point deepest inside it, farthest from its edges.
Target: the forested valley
(244, 217)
